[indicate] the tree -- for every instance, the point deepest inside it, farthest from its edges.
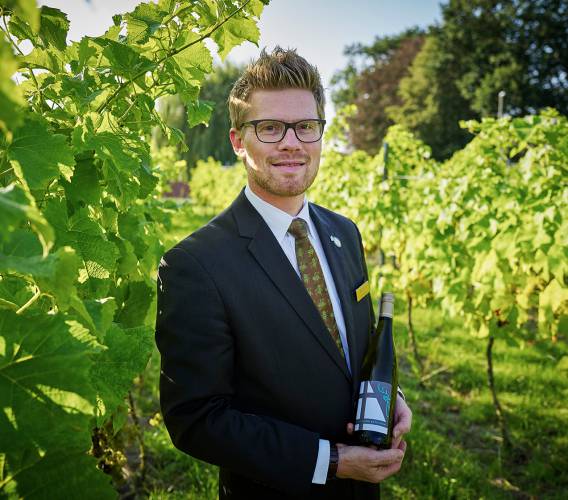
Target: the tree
(370, 81)
(484, 47)
(430, 104)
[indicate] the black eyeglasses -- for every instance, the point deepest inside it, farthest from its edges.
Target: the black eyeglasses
(274, 130)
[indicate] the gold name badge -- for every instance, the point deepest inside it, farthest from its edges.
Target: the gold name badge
(362, 291)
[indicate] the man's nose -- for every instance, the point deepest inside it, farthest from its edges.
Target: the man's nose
(289, 141)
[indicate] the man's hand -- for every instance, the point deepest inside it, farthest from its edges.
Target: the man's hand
(365, 464)
(369, 464)
(402, 421)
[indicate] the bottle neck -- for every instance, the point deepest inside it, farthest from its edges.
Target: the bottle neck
(387, 309)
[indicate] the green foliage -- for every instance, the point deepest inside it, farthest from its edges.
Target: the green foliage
(80, 229)
(430, 104)
(213, 187)
(483, 233)
(480, 48)
(210, 139)
(373, 88)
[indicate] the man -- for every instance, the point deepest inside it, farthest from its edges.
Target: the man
(261, 331)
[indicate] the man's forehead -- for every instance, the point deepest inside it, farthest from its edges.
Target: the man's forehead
(287, 103)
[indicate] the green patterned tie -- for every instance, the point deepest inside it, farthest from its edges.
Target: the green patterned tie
(313, 279)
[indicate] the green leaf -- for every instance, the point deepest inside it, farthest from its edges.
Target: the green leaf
(101, 312)
(28, 11)
(39, 156)
(143, 22)
(18, 208)
(127, 355)
(199, 112)
(99, 255)
(234, 32)
(47, 401)
(55, 274)
(51, 59)
(125, 61)
(87, 237)
(53, 27)
(84, 187)
(11, 99)
(136, 304)
(553, 297)
(188, 67)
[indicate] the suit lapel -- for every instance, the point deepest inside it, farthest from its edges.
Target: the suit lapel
(269, 255)
(336, 259)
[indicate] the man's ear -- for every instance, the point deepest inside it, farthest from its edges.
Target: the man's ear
(237, 142)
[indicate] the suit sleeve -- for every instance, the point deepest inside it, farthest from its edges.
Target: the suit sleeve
(194, 338)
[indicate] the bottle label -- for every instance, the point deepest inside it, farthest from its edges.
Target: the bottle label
(373, 406)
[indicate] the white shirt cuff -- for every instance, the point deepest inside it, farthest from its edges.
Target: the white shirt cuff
(322, 464)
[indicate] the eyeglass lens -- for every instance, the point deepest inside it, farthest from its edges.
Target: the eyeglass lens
(273, 131)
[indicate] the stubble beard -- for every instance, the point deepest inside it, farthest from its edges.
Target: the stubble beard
(286, 186)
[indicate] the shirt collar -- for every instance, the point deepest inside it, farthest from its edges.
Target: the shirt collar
(277, 220)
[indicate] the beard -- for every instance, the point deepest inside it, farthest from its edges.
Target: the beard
(284, 185)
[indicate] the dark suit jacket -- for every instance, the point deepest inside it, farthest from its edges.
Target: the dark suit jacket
(251, 378)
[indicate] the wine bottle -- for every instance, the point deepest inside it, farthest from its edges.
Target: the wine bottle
(378, 389)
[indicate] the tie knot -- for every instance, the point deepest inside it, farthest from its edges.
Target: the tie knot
(298, 229)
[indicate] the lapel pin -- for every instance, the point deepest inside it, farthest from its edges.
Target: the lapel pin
(335, 240)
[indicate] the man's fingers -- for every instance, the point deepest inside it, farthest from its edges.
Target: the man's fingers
(403, 419)
(387, 457)
(396, 442)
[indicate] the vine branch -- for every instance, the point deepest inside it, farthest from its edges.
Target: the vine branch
(126, 83)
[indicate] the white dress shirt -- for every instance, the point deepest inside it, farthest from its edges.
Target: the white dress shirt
(279, 221)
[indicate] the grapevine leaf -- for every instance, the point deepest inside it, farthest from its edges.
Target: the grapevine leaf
(55, 274)
(234, 32)
(20, 29)
(11, 100)
(553, 298)
(28, 11)
(143, 22)
(119, 160)
(39, 156)
(50, 59)
(17, 208)
(84, 187)
(127, 355)
(199, 112)
(86, 236)
(101, 312)
(99, 255)
(53, 27)
(58, 473)
(47, 400)
(125, 61)
(136, 304)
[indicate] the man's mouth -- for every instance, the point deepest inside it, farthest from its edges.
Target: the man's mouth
(289, 163)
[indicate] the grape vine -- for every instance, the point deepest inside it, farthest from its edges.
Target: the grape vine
(81, 229)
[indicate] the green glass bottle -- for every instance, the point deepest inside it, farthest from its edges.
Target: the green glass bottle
(378, 389)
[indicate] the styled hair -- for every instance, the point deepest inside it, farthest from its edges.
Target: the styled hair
(282, 69)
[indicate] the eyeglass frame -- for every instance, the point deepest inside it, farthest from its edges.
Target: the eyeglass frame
(287, 125)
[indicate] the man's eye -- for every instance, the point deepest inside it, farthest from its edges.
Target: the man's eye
(307, 126)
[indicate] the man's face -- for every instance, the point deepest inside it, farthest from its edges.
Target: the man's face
(284, 169)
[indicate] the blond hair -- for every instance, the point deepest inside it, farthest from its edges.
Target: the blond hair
(282, 69)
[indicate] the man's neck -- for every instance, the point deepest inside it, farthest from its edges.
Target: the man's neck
(289, 204)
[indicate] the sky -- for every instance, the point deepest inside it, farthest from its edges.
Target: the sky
(318, 29)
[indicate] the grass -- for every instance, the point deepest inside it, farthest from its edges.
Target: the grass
(454, 448)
